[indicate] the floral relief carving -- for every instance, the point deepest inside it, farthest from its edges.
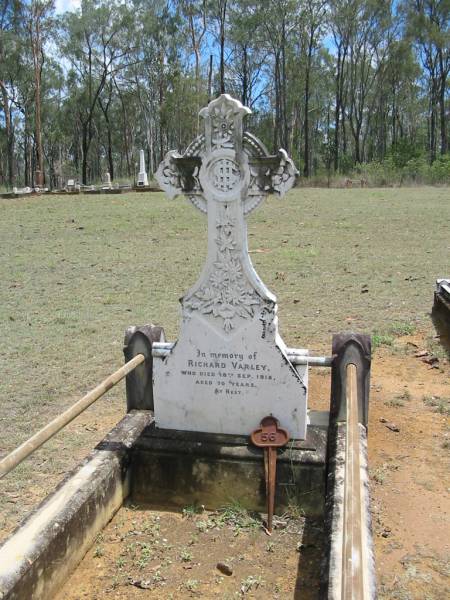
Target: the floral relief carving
(226, 294)
(284, 176)
(168, 175)
(222, 121)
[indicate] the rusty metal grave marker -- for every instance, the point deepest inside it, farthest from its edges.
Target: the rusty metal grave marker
(270, 436)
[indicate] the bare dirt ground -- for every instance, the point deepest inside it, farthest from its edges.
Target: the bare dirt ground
(410, 474)
(223, 554)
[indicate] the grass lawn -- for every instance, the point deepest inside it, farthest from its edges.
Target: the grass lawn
(77, 270)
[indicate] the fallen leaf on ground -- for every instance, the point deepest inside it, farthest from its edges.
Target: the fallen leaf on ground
(225, 568)
(430, 361)
(141, 583)
(392, 427)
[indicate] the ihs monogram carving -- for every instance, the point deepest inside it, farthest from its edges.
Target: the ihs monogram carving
(225, 174)
(227, 294)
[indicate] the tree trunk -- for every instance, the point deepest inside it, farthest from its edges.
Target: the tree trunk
(337, 113)
(433, 121)
(357, 138)
(337, 120)
(276, 131)
(442, 87)
(223, 12)
(9, 136)
(84, 153)
(38, 133)
(161, 100)
(394, 116)
(104, 109)
(244, 97)
(210, 76)
(306, 169)
(35, 34)
(283, 85)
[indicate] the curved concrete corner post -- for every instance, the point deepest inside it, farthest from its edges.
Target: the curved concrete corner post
(139, 384)
(441, 311)
(350, 348)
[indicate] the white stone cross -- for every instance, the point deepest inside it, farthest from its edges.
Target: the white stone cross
(229, 367)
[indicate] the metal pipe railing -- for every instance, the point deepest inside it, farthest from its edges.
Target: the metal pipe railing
(15, 457)
(297, 357)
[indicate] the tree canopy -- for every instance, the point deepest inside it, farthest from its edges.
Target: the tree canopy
(337, 83)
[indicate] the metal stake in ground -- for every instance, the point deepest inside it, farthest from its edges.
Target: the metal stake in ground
(270, 436)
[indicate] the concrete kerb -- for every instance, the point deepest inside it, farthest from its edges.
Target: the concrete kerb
(347, 349)
(42, 552)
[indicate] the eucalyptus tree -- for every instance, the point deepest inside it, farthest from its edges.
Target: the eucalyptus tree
(54, 120)
(161, 36)
(275, 24)
(247, 70)
(341, 15)
(314, 14)
(38, 17)
(369, 47)
(195, 12)
(9, 53)
(20, 94)
(429, 26)
(218, 14)
(97, 43)
(397, 109)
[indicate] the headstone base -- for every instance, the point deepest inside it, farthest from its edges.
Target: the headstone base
(142, 180)
(175, 469)
(146, 188)
(112, 191)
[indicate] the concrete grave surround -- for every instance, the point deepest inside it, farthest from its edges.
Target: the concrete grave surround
(142, 176)
(229, 367)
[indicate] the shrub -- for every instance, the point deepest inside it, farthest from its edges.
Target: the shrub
(440, 170)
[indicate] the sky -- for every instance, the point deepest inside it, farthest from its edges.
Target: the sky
(65, 5)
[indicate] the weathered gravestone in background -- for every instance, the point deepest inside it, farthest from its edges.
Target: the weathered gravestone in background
(230, 367)
(107, 182)
(142, 176)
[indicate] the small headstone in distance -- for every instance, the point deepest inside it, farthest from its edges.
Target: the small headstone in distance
(142, 176)
(107, 181)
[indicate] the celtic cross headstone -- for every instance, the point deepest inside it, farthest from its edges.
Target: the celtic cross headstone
(229, 367)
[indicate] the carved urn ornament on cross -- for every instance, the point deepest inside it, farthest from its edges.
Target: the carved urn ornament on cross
(229, 367)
